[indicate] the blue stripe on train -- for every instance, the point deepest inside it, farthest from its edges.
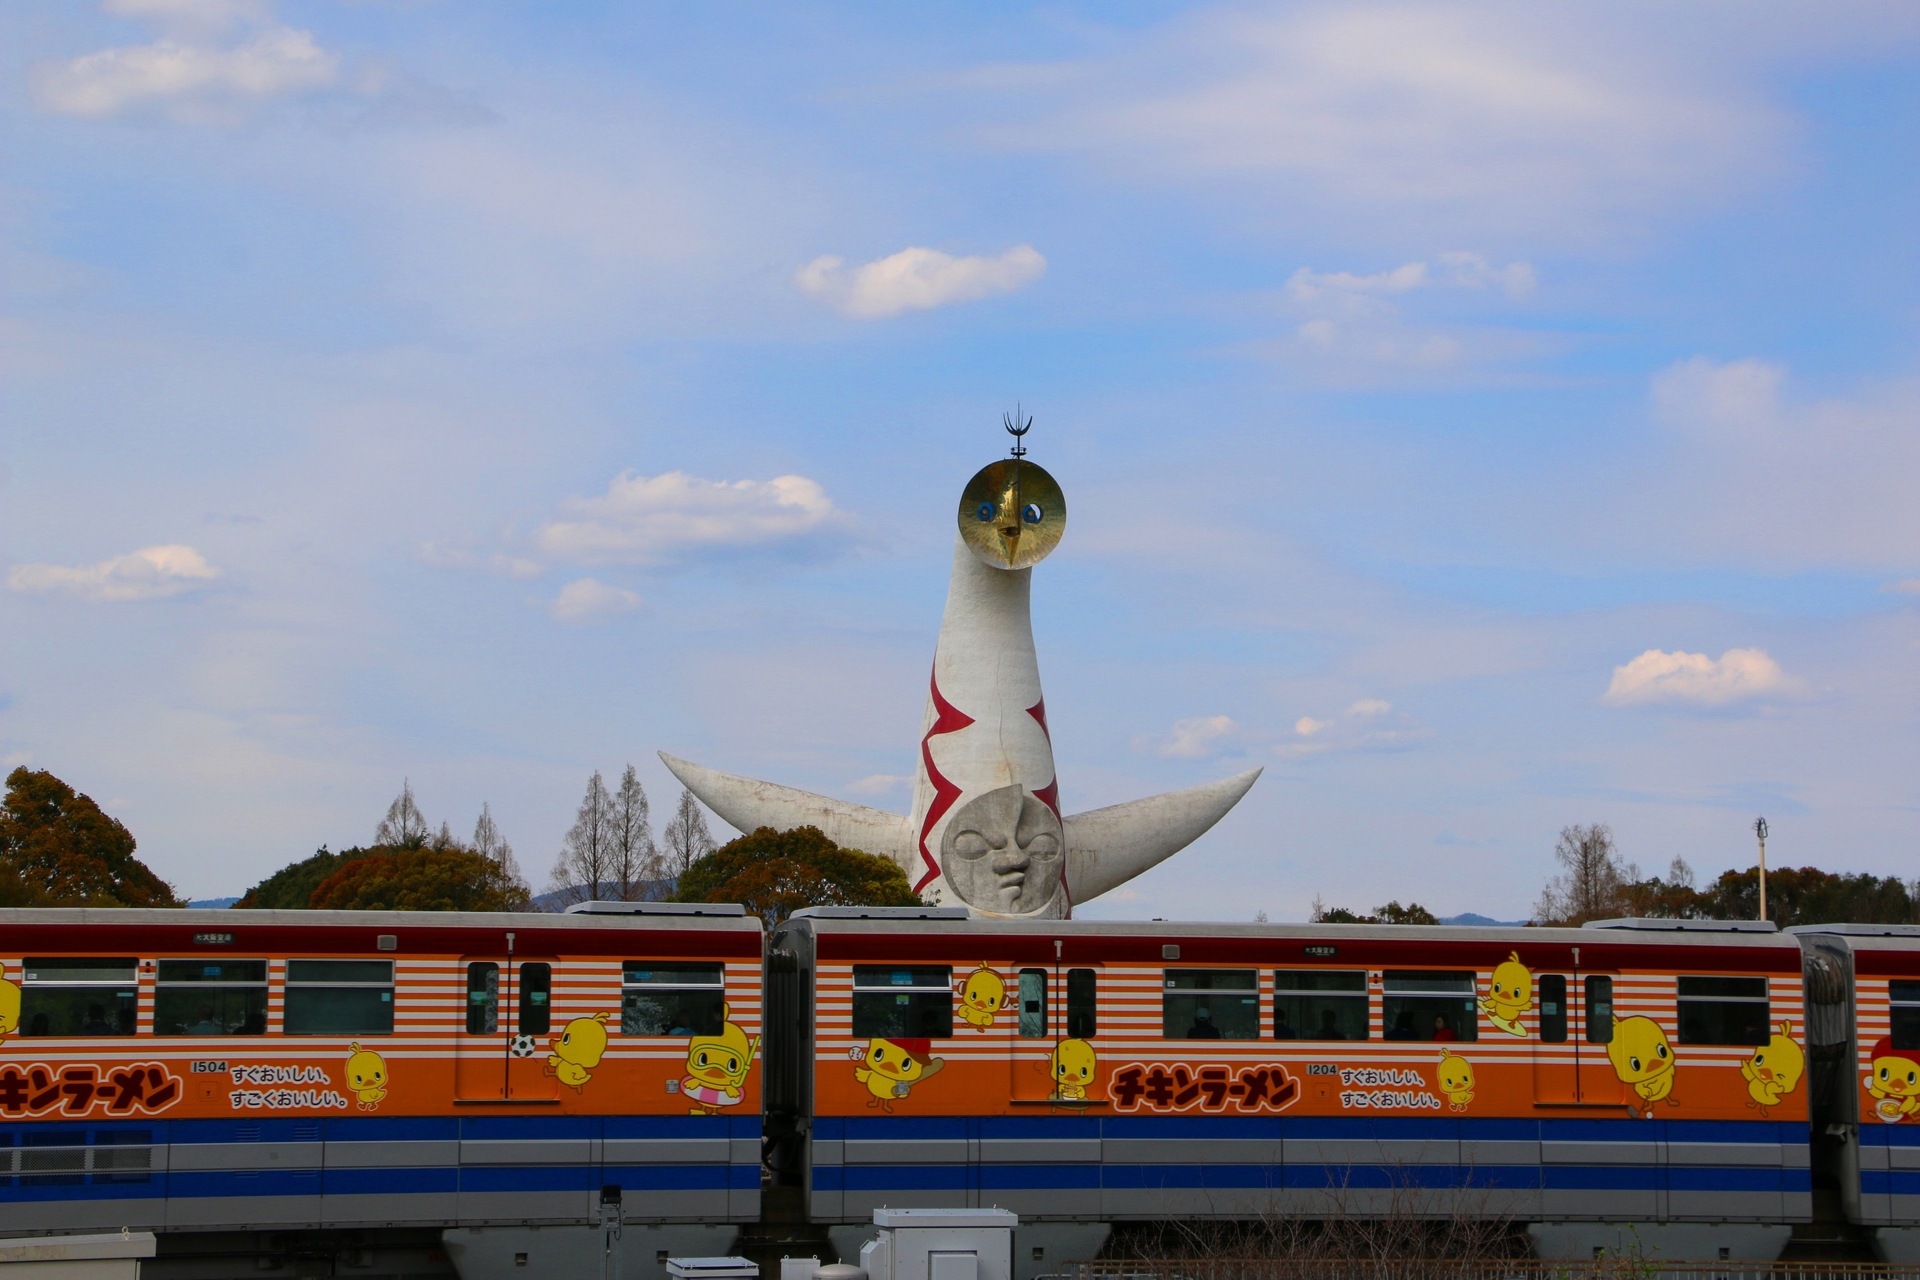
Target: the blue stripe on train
(1305, 1177)
(1306, 1128)
(247, 1129)
(1898, 1182)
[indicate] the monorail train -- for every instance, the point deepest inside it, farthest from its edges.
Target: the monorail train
(380, 1090)
(412, 1094)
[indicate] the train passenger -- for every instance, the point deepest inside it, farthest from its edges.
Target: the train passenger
(1441, 1031)
(1282, 1029)
(1202, 1028)
(1403, 1027)
(1329, 1028)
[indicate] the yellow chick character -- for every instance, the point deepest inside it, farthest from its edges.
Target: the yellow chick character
(579, 1049)
(894, 1067)
(1642, 1058)
(1456, 1080)
(366, 1076)
(1073, 1066)
(1774, 1070)
(981, 997)
(1895, 1082)
(1509, 994)
(9, 1005)
(716, 1068)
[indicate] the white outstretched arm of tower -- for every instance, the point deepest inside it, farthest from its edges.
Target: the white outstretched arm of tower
(748, 805)
(1108, 847)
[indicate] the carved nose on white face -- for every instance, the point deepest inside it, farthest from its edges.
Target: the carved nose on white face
(1011, 858)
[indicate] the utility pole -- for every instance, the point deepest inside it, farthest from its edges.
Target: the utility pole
(1760, 830)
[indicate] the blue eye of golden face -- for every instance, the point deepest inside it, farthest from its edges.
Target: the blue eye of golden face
(983, 512)
(1031, 513)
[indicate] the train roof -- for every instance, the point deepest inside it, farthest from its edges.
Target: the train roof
(158, 929)
(903, 933)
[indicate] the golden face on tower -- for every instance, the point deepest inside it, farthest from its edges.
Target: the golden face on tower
(1012, 514)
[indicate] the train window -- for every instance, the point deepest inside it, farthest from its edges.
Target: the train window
(903, 1000)
(1033, 1004)
(483, 998)
(1430, 1004)
(1717, 1010)
(1904, 998)
(1600, 1010)
(536, 1005)
(79, 996)
(339, 998)
(1319, 1004)
(1083, 986)
(672, 999)
(211, 998)
(1211, 1004)
(1551, 988)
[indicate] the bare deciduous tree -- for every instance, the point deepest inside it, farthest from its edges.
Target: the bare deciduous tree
(586, 855)
(634, 868)
(1593, 879)
(491, 845)
(404, 826)
(685, 840)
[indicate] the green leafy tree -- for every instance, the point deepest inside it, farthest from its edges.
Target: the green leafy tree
(1392, 913)
(291, 887)
(775, 873)
(58, 848)
(432, 877)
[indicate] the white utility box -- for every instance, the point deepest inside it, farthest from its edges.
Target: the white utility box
(712, 1269)
(941, 1244)
(101, 1257)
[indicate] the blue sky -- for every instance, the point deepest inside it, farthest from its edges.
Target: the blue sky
(1487, 418)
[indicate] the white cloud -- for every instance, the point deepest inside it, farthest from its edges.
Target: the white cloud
(1199, 737)
(453, 553)
(1367, 724)
(1757, 476)
(146, 574)
(1350, 319)
(186, 75)
(916, 280)
(585, 601)
(653, 520)
(1485, 114)
(1739, 674)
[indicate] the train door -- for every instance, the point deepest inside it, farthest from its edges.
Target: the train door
(1556, 1054)
(1054, 1058)
(1599, 1084)
(1031, 1058)
(500, 1049)
(1570, 1066)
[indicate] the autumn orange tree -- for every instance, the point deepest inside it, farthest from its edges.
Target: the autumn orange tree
(775, 873)
(59, 849)
(427, 878)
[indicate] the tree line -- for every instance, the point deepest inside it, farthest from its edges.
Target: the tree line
(58, 848)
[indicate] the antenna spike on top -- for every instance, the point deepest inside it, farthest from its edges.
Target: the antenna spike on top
(1017, 427)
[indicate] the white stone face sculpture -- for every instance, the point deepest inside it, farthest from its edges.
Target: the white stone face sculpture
(986, 829)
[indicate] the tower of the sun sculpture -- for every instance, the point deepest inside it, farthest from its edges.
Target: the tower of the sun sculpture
(986, 829)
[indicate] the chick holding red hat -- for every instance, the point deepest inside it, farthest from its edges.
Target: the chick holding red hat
(894, 1066)
(1894, 1081)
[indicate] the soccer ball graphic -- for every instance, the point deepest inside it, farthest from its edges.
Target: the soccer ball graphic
(522, 1046)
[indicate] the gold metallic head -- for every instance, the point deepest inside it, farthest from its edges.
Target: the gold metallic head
(1012, 514)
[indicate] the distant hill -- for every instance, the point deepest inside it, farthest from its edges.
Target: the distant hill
(1469, 917)
(213, 904)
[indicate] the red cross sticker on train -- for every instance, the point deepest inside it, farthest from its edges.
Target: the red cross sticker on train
(1176, 1086)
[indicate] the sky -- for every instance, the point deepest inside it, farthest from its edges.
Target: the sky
(1485, 417)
